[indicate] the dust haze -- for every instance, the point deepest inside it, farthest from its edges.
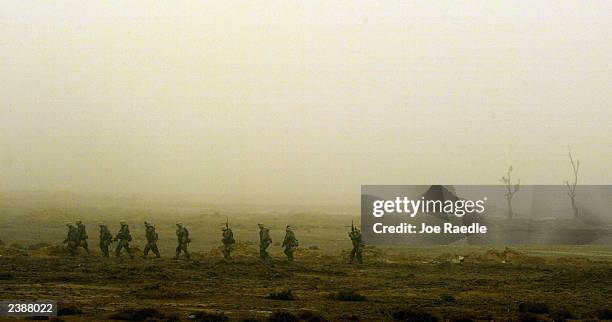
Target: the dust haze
(300, 103)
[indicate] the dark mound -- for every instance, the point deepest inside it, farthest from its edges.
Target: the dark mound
(137, 314)
(283, 316)
(348, 295)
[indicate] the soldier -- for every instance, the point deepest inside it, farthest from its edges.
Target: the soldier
(264, 242)
(355, 236)
(82, 233)
(123, 239)
(106, 238)
(290, 243)
(151, 240)
(228, 240)
(72, 239)
(182, 235)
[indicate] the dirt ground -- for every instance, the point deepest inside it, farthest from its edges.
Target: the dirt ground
(455, 283)
(483, 285)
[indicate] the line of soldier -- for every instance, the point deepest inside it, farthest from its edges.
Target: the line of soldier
(77, 237)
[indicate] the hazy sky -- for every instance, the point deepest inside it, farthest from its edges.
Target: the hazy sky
(304, 101)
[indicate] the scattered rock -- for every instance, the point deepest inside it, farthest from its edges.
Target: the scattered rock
(205, 316)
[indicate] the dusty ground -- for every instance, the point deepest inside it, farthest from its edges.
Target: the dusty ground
(483, 286)
(526, 283)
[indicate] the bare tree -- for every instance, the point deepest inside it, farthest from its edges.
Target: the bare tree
(571, 186)
(511, 189)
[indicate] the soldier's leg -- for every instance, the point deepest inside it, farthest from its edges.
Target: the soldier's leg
(186, 251)
(359, 258)
(128, 249)
(118, 248)
(105, 249)
(178, 251)
(290, 254)
(155, 250)
(146, 250)
(353, 252)
(267, 257)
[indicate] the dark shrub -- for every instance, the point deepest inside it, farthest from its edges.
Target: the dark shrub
(137, 314)
(448, 298)
(561, 315)
(285, 295)
(5, 276)
(528, 317)
(312, 316)
(209, 317)
(533, 307)
(68, 309)
(605, 314)
(283, 316)
(348, 295)
(409, 315)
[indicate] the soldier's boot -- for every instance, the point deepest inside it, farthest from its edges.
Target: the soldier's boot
(129, 251)
(156, 251)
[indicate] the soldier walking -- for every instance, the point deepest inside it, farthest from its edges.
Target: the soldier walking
(106, 238)
(290, 243)
(82, 233)
(355, 236)
(228, 240)
(264, 242)
(182, 235)
(72, 239)
(151, 240)
(123, 240)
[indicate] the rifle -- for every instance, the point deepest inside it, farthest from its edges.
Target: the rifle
(352, 226)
